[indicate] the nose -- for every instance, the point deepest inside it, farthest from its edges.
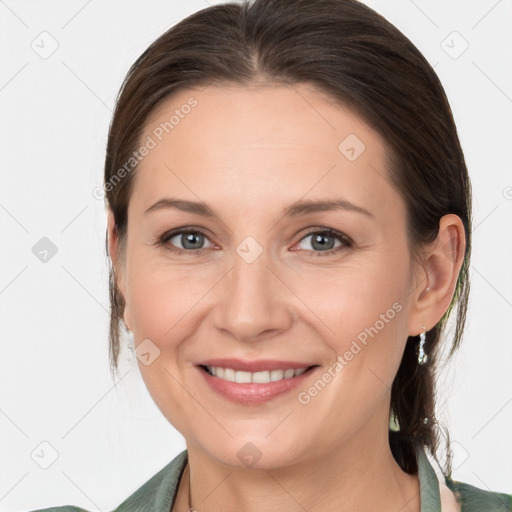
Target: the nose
(255, 302)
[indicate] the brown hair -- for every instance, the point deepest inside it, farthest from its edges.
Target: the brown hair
(362, 61)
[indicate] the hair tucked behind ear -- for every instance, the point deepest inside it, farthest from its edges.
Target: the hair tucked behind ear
(362, 61)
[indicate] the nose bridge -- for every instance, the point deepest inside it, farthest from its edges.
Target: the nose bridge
(254, 300)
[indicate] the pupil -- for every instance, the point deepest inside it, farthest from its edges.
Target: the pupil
(188, 240)
(320, 239)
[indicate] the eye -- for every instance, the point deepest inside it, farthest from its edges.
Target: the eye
(192, 241)
(185, 240)
(326, 241)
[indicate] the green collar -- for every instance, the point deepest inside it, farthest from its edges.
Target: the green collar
(430, 496)
(159, 492)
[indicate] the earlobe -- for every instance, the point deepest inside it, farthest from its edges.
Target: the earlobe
(442, 263)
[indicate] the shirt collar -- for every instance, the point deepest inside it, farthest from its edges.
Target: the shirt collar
(430, 497)
(159, 492)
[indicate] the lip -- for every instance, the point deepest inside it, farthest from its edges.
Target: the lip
(255, 366)
(254, 393)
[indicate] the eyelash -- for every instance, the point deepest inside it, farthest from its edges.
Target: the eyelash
(164, 239)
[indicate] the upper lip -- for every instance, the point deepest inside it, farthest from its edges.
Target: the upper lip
(254, 366)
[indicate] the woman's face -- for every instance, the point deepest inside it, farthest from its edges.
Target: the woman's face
(260, 281)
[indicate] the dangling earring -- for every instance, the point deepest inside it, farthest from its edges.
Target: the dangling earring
(394, 426)
(131, 347)
(422, 357)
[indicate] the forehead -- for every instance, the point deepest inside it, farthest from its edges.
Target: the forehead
(262, 144)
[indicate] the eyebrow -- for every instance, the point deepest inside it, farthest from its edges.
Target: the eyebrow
(297, 209)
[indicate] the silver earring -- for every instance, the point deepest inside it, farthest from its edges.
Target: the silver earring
(422, 357)
(131, 347)
(394, 426)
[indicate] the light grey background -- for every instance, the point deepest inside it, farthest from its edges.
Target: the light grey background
(55, 385)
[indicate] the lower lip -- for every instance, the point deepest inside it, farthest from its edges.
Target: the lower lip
(252, 393)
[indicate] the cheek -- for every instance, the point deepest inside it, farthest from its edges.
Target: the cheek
(367, 317)
(157, 299)
(164, 299)
(364, 311)
(164, 304)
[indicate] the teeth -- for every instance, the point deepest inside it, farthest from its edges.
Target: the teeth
(243, 377)
(258, 377)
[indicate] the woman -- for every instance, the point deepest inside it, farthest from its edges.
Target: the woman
(289, 225)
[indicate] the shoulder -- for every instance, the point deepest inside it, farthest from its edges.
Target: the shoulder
(157, 494)
(474, 499)
(63, 508)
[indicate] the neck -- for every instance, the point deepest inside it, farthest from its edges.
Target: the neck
(363, 476)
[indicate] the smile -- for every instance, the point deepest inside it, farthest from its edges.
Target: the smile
(254, 388)
(262, 377)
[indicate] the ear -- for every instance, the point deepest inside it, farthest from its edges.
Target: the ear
(436, 281)
(113, 247)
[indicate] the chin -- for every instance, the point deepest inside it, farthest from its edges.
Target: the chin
(256, 452)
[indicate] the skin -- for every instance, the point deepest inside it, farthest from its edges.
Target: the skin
(250, 152)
